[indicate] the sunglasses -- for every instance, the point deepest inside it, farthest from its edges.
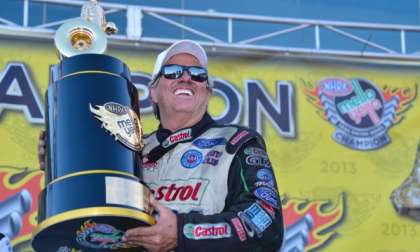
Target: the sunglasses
(175, 71)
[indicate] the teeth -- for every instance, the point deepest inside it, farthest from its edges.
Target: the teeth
(183, 92)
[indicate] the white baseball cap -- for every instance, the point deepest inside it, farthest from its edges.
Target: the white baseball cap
(182, 46)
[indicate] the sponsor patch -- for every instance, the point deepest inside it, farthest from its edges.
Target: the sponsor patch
(238, 137)
(207, 231)
(240, 231)
(177, 137)
(180, 192)
(207, 143)
(266, 175)
(263, 183)
(191, 159)
(248, 228)
(269, 209)
(256, 160)
(268, 195)
(257, 218)
(255, 151)
(212, 157)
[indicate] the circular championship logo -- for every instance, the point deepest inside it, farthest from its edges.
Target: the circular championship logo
(363, 107)
(359, 111)
(191, 159)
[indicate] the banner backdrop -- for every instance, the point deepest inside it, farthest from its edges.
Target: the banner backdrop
(341, 138)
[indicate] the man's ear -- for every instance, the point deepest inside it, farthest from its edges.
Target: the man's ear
(210, 90)
(153, 95)
(210, 85)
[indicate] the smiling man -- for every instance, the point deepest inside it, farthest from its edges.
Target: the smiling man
(213, 185)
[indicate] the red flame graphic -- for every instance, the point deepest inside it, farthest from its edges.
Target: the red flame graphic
(311, 93)
(406, 97)
(324, 217)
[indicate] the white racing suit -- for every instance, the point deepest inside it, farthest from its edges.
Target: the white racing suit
(220, 183)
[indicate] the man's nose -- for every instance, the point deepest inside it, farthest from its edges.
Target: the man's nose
(185, 76)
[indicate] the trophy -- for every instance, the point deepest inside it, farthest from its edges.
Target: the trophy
(406, 198)
(92, 191)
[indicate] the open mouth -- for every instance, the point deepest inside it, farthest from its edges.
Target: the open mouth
(184, 92)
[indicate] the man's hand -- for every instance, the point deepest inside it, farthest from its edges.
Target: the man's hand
(42, 149)
(157, 238)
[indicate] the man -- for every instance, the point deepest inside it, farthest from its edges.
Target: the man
(213, 185)
(217, 179)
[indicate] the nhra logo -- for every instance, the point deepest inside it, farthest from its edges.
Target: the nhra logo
(116, 108)
(177, 137)
(207, 231)
(181, 191)
(360, 111)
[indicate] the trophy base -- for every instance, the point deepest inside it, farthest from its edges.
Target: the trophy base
(88, 230)
(413, 213)
(406, 199)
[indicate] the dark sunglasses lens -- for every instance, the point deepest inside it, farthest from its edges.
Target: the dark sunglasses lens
(198, 74)
(172, 71)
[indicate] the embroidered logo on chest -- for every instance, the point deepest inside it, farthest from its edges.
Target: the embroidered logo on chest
(212, 157)
(191, 159)
(181, 191)
(177, 137)
(207, 143)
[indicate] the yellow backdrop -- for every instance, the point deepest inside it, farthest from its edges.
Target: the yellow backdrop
(346, 192)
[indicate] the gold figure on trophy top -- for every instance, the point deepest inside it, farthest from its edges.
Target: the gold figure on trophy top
(92, 12)
(86, 34)
(406, 198)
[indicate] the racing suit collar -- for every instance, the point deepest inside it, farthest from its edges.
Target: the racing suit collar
(168, 139)
(206, 122)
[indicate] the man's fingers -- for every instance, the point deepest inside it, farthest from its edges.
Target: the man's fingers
(151, 243)
(42, 149)
(42, 135)
(157, 206)
(141, 231)
(159, 237)
(160, 209)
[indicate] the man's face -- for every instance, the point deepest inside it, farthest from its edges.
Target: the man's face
(181, 95)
